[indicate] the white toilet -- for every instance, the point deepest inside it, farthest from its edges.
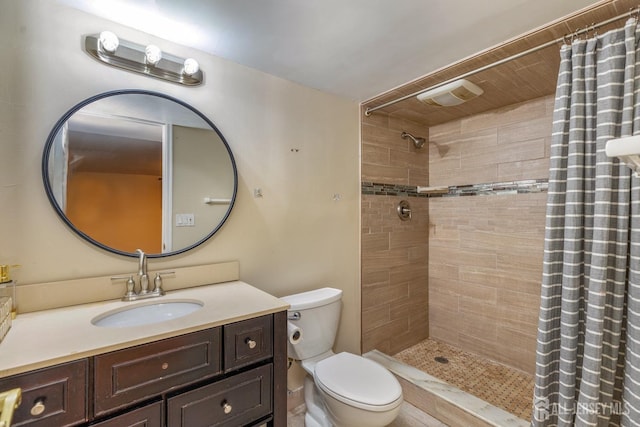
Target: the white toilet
(344, 389)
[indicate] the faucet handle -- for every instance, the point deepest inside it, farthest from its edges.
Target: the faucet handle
(131, 284)
(157, 282)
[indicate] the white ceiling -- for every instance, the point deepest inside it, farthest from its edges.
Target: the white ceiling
(353, 48)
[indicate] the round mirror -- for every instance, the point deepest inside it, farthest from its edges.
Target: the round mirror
(134, 169)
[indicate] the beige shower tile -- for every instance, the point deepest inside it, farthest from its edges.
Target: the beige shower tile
(462, 257)
(526, 169)
(380, 119)
(375, 242)
(443, 235)
(413, 159)
(375, 155)
(522, 112)
(443, 271)
(438, 132)
(380, 136)
(380, 338)
(516, 151)
(375, 317)
(419, 177)
(519, 300)
(501, 279)
(419, 254)
(474, 325)
(385, 259)
(462, 175)
(375, 276)
(416, 128)
(384, 174)
(531, 130)
(445, 286)
(409, 272)
(477, 293)
(405, 239)
(385, 295)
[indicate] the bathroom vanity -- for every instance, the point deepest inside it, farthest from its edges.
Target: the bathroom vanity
(224, 364)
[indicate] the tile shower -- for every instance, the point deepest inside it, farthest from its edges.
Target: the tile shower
(465, 271)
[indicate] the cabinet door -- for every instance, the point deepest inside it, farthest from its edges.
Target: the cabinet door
(54, 396)
(147, 416)
(235, 401)
(127, 376)
(247, 342)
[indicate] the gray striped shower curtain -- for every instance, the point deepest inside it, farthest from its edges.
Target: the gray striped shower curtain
(588, 351)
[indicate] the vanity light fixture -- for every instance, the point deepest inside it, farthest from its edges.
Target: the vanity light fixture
(106, 47)
(152, 54)
(190, 67)
(108, 41)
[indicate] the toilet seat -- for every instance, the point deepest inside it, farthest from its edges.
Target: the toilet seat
(358, 382)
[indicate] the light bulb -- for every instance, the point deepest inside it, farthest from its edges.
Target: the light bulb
(153, 54)
(191, 66)
(109, 41)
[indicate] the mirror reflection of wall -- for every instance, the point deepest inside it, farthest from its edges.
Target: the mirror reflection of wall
(114, 181)
(194, 156)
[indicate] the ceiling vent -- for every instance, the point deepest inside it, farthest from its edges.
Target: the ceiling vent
(454, 93)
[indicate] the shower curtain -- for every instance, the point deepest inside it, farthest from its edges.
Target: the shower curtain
(588, 351)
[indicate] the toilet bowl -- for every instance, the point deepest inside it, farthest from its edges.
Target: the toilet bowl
(344, 389)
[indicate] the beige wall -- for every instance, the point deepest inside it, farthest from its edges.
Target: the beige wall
(485, 252)
(394, 252)
(295, 238)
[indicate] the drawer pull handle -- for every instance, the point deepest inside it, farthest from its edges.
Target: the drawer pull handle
(165, 366)
(251, 343)
(38, 407)
(226, 407)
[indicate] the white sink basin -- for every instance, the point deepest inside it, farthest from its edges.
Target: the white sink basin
(146, 313)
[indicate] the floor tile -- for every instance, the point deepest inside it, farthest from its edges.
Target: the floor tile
(499, 385)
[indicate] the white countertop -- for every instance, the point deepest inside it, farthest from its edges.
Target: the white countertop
(49, 337)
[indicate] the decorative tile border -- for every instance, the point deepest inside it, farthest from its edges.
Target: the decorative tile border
(390, 190)
(486, 189)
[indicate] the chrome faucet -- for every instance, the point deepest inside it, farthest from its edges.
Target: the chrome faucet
(143, 280)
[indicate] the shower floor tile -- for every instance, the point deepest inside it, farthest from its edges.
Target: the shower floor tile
(499, 385)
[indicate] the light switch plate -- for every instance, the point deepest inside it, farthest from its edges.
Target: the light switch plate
(185, 220)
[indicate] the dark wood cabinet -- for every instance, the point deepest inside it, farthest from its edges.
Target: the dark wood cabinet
(231, 375)
(234, 401)
(247, 342)
(150, 415)
(125, 377)
(54, 396)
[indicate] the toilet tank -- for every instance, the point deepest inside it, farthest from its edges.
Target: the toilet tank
(315, 315)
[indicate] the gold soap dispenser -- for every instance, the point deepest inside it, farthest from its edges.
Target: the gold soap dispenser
(4, 274)
(8, 287)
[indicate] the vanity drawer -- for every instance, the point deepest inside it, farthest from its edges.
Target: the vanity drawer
(247, 341)
(147, 416)
(235, 401)
(131, 375)
(53, 396)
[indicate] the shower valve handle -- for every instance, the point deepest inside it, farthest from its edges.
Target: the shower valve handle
(404, 210)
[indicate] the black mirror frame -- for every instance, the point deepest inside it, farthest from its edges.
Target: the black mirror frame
(80, 105)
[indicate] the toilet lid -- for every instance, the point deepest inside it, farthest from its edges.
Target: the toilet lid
(357, 381)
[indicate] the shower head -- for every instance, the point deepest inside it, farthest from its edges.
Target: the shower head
(417, 142)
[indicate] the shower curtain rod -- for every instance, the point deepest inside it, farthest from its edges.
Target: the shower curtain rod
(577, 33)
